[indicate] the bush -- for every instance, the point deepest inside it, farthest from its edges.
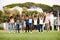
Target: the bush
(1, 28)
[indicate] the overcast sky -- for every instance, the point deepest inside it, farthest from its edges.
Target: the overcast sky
(48, 2)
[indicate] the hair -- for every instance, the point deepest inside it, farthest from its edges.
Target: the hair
(11, 17)
(18, 15)
(35, 16)
(26, 15)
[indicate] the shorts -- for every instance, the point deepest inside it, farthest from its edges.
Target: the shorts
(30, 24)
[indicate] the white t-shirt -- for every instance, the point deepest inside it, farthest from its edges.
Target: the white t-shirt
(35, 22)
(40, 21)
(52, 19)
(30, 20)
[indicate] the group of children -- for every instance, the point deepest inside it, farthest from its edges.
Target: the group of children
(29, 22)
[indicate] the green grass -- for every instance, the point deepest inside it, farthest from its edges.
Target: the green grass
(35, 35)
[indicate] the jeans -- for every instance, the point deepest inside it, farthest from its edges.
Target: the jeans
(27, 28)
(40, 27)
(11, 26)
(35, 27)
(17, 27)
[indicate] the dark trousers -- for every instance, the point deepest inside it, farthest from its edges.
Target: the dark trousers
(35, 27)
(17, 27)
(27, 28)
(40, 27)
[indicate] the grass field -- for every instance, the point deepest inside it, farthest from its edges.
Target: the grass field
(35, 35)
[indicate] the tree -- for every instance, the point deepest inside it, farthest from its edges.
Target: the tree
(13, 5)
(55, 8)
(24, 9)
(6, 11)
(30, 4)
(44, 7)
(1, 13)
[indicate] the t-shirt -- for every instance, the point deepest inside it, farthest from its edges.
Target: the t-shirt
(18, 20)
(35, 22)
(47, 19)
(30, 20)
(27, 21)
(40, 21)
(12, 21)
(51, 19)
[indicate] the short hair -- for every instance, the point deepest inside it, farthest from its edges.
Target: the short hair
(26, 15)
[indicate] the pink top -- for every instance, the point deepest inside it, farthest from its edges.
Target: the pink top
(47, 18)
(12, 20)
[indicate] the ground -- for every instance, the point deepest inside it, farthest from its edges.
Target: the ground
(35, 35)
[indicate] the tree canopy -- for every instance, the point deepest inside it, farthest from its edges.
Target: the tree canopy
(46, 8)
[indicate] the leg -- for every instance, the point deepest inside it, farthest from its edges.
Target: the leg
(28, 28)
(39, 28)
(11, 27)
(22, 26)
(18, 28)
(34, 27)
(31, 28)
(48, 27)
(52, 27)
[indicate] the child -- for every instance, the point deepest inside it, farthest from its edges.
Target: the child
(27, 23)
(30, 22)
(11, 23)
(35, 22)
(17, 23)
(47, 21)
(52, 20)
(22, 22)
(40, 23)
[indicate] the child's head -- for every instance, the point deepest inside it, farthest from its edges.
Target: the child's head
(35, 15)
(26, 15)
(18, 15)
(11, 17)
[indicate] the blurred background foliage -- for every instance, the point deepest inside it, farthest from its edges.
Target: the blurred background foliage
(4, 15)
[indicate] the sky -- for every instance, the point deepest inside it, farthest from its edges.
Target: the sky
(47, 2)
